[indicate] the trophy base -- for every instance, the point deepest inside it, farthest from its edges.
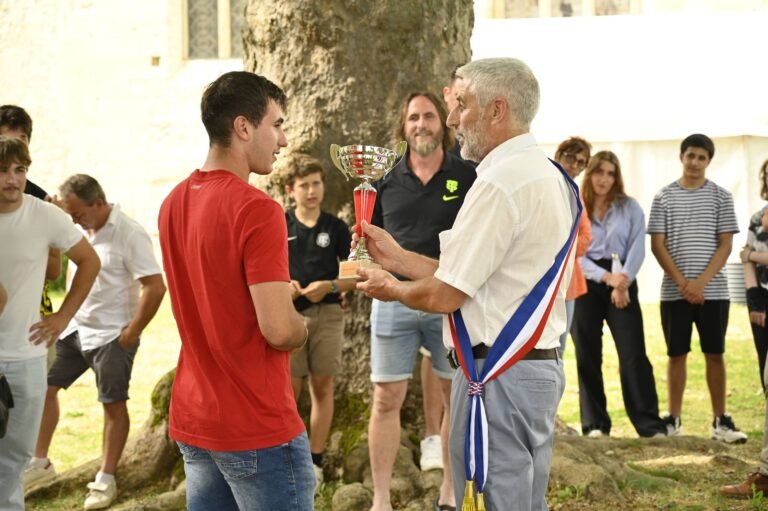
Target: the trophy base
(348, 269)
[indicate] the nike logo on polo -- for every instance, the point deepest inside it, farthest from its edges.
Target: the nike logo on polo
(446, 198)
(291, 238)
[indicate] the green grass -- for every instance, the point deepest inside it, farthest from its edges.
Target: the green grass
(78, 438)
(745, 400)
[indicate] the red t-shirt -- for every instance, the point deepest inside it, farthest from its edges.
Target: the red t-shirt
(232, 390)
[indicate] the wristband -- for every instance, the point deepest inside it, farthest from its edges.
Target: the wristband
(334, 288)
(756, 299)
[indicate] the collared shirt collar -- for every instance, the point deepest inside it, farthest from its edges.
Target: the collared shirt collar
(508, 146)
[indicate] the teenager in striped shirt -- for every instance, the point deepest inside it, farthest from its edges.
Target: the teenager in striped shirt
(692, 223)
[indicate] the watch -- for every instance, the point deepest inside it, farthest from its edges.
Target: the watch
(334, 288)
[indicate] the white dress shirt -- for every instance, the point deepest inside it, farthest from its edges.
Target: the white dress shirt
(515, 219)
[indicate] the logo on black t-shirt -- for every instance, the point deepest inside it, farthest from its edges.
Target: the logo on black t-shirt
(323, 239)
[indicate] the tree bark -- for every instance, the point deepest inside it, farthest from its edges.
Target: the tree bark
(346, 66)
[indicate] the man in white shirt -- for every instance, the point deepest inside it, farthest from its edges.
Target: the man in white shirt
(29, 229)
(489, 263)
(104, 334)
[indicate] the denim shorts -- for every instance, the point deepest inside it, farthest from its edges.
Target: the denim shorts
(397, 332)
(277, 478)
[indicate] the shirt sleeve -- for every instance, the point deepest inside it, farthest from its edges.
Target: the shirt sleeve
(343, 240)
(657, 221)
(265, 243)
(140, 256)
(63, 233)
(754, 225)
(726, 219)
(636, 239)
(377, 218)
(591, 271)
(488, 215)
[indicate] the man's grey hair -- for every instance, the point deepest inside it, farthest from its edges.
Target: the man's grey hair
(84, 187)
(508, 78)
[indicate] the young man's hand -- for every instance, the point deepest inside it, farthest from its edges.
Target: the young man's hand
(295, 289)
(693, 291)
(48, 330)
(316, 291)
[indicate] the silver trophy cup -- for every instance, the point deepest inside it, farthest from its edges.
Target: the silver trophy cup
(366, 163)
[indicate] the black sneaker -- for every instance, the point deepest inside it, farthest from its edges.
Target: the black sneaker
(725, 430)
(674, 424)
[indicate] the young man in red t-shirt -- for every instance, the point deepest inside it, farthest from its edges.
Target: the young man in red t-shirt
(225, 255)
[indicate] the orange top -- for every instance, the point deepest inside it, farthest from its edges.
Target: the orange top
(578, 285)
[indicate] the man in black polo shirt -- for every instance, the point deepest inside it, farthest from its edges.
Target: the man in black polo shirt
(416, 201)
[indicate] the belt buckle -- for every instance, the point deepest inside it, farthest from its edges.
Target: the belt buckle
(453, 361)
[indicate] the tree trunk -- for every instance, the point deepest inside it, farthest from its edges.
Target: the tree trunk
(346, 66)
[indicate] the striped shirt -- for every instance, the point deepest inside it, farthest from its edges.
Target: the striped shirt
(692, 221)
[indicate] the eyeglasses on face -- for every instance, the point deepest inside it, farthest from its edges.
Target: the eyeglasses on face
(570, 159)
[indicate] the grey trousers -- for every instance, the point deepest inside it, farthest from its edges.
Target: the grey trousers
(521, 405)
(27, 381)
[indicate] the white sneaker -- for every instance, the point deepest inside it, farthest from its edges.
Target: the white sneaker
(725, 430)
(318, 477)
(101, 495)
(431, 453)
(595, 433)
(36, 474)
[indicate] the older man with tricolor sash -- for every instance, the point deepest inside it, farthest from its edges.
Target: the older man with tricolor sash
(501, 281)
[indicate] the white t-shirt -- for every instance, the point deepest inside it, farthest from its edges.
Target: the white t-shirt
(26, 236)
(515, 219)
(126, 254)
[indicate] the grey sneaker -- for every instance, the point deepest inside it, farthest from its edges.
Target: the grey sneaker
(674, 424)
(35, 474)
(725, 430)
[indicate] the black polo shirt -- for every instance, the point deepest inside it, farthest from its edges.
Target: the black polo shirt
(34, 190)
(414, 214)
(314, 252)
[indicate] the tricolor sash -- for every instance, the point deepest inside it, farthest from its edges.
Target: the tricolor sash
(515, 340)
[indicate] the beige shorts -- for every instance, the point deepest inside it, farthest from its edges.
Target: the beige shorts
(321, 355)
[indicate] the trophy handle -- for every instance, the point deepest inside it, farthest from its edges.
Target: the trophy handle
(335, 148)
(400, 148)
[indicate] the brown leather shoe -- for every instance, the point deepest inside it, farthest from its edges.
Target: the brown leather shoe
(745, 489)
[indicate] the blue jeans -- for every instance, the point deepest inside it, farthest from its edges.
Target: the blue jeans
(276, 478)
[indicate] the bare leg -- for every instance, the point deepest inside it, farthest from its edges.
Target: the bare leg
(321, 416)
(676, 377)
(49, 422)
(446, 488)
(384, 438)
(715, 366)
(433, 402)
(116, 426)
(296, 384)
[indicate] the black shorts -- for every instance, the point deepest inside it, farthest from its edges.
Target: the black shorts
(710, 317)
(111, 363)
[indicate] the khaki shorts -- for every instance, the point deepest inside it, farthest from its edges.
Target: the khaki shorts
(321, 355)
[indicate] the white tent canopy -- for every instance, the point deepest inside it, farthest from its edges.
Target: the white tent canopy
(621, 78)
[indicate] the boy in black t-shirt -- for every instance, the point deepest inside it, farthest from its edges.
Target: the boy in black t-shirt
(317, 241)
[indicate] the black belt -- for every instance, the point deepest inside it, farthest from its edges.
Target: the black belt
(481, 351)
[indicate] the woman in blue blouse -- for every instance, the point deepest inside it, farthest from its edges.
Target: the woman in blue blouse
(618, 227)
